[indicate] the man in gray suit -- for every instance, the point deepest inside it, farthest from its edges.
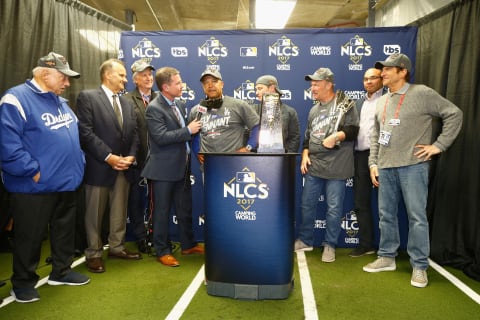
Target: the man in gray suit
(168, 165)
(109, 139)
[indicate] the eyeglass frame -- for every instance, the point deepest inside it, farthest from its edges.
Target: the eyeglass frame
(372, 78)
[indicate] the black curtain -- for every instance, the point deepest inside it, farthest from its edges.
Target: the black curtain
(31, 29)
(448, 60)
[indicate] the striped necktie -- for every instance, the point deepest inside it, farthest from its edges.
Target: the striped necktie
(116, 109)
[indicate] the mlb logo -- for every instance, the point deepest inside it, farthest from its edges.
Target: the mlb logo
(213, 43)
(356, 42)
(248, 86)
(145, 44)
(245, 177)
(248, 51)
(284, 42)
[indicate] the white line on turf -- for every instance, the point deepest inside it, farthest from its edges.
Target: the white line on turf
(187, 296)
(456, 282)
(309, 304)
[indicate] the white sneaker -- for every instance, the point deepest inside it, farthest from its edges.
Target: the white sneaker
(328, 254)
(381, 264)
(301, 246)
(419, 278)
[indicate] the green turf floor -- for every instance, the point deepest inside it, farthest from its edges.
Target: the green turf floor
(146, 289)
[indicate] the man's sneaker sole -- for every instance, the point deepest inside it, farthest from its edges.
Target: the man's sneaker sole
(418, 284)
(62, 283)
(304, 249)
(356, 254)
(389, 268)
(32, 299)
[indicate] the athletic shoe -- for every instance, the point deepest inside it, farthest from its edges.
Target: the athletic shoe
(70, 279)
(328, 254)
(359, 251)
(25, 295)
(301, 246)
(419, 278)
(381, 264)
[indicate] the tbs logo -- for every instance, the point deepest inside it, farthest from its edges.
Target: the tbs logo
(390, 49)
(179, 51)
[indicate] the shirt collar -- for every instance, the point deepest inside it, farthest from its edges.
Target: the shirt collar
(375, 95)
(108, 92)
(170, 102)
(402, 90)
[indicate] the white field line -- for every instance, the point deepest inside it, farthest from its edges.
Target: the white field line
(455, 281)
(187, 296)
(309, 304)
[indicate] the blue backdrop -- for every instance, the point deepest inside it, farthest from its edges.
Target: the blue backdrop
(243, 55)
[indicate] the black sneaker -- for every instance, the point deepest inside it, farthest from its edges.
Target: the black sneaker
(25, 295)
(70, 279)
(359, 251)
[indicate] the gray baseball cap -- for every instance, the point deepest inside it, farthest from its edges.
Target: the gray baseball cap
(57, 61)
(211, 72)
(395, 60)
(321, 74)
(269, 80)
(141, 65)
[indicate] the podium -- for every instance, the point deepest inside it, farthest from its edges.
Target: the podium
(249, 224)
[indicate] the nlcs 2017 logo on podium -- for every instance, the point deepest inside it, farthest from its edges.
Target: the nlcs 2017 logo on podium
(246, 188)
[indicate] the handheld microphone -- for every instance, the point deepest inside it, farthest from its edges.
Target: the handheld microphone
(200, 110)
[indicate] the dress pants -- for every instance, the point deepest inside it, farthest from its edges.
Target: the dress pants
(166, 194)
(363, 189)
(97, 198)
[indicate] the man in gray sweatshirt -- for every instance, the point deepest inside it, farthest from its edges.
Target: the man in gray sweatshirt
(402, 143)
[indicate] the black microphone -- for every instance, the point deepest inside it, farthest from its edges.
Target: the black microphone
(200, 110)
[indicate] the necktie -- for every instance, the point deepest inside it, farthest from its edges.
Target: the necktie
(182, 124)
(116, 109)
(177, 115)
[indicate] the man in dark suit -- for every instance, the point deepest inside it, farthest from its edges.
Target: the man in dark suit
(168, 165)
(109, 139)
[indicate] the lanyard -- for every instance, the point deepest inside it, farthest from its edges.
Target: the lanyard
(397, 111)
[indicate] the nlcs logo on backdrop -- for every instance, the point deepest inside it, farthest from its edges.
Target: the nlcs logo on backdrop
(356, 48)
(187, 93)
(283, 49)
(245, 92)
(213, 49)
(350, 225)
(145, 49)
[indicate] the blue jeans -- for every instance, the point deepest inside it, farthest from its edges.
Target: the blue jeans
(334, 193)
(411, 182)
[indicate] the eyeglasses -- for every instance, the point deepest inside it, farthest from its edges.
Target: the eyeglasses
(371, 78)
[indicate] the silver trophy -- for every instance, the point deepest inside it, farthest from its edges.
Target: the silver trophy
(271, 135)
(342, 105)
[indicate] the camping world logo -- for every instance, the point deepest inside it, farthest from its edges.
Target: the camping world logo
(145, 49)
(213, 49)
(283, 49)
(246, 188)
(356, 48)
